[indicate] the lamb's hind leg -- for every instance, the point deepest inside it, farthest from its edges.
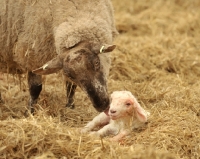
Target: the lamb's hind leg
(70, 90)
(35, 87)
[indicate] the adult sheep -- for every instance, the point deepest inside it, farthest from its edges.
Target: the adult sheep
(43, 37)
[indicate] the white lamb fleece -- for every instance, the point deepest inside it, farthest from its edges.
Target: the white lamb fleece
(125, 113)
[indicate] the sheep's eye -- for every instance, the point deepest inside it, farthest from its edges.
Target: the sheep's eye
(96, 63)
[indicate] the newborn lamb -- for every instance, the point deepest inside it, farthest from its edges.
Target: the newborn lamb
(125, 113)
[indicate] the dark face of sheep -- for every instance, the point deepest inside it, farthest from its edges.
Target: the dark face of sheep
(84, 65)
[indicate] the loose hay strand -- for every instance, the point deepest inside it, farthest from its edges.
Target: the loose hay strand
(79, 146)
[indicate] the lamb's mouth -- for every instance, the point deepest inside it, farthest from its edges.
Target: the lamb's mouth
(114, 117)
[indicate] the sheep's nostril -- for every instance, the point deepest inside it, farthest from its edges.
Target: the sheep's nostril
(112, 111)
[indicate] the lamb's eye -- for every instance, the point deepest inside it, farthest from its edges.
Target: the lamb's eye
(128, 104)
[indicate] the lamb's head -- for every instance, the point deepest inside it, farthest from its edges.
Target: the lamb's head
(87, 65)
(124, 104)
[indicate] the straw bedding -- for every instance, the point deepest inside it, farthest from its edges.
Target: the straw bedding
(157, 59)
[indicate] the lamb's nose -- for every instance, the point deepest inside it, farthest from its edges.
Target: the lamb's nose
(112, 111)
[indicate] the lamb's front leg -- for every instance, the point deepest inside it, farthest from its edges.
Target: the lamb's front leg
(100, 120)
(35, 87)
(106, 130)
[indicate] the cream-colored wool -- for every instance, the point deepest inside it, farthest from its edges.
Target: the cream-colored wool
(33, 32)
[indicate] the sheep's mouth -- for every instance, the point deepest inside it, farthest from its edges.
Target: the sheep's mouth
(107, 111)
(98, 97)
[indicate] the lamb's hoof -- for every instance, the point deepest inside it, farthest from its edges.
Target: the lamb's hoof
(69, 105)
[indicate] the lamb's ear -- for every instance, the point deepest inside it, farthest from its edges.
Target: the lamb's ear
(107, 48)
(50, 67)
(140, 112)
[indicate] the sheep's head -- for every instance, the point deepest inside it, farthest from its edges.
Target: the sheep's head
(87, 65)
(123, 104)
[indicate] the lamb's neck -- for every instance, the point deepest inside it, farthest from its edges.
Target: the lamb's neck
(123, 123)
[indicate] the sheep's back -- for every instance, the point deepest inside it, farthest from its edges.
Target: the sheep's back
(11, 20)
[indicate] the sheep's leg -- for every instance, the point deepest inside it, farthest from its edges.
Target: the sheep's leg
(35, 87)
(70, 90)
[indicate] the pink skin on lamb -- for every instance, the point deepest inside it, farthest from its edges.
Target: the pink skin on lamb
(123, 114)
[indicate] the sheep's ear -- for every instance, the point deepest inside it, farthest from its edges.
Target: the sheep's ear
(50, 67)
(140, 112)
(107, 48)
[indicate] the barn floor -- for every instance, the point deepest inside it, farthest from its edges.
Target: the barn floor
(157, 58)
